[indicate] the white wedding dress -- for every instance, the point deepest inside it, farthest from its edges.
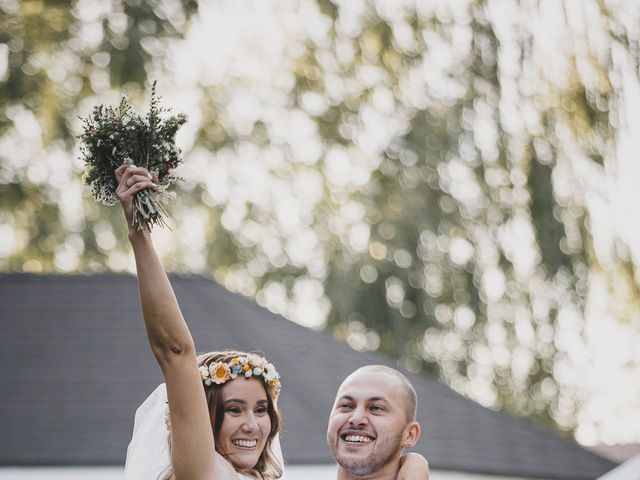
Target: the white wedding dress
(148, 452)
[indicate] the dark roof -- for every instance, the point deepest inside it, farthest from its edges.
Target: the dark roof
(75, 364)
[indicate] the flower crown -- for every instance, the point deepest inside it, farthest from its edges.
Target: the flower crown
(247, 366)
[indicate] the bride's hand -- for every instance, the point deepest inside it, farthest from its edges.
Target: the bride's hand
(131, 180)
(413, 466)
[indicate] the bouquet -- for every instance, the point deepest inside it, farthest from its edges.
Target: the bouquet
(115, 136)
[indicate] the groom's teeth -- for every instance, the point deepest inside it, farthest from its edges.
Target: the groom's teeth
(245, 443)
(357, 439)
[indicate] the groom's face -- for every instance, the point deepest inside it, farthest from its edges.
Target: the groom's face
(367, 426)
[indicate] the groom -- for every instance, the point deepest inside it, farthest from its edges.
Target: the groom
(373, 419)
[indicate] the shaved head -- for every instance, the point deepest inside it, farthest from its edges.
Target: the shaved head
(372, 421)
(408, 392)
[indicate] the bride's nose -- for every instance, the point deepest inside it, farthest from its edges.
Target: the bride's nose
(249, 424)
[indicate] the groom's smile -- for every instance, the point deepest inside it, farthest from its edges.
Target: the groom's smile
(356, 439)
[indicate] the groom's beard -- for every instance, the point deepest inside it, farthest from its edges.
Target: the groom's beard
(382, 454)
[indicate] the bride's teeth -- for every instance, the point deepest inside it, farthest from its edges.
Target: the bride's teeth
(245, 443)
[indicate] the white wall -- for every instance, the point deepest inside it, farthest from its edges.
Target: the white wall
(297, 472)
(294, 472)
(61, 473)
(629, 470)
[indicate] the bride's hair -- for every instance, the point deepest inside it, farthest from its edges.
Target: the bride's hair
(268, 466)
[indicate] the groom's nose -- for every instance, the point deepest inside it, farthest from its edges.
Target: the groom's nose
(359, 416)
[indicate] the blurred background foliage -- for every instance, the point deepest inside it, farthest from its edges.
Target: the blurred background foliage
(418, 177)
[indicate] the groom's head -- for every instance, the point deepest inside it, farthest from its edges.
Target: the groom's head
(372, 420)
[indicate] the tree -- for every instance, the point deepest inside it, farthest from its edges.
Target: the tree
(416, 176)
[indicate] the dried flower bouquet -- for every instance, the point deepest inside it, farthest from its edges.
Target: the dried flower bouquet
(115, 136)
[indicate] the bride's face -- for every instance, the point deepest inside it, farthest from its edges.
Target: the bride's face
(246, 423)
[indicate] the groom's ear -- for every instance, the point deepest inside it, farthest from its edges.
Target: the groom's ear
(411, 434)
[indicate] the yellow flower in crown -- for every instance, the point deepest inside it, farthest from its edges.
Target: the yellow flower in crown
(234, 361)
(245, 367)
(219, 372)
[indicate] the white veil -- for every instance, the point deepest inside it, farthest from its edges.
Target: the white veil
(148, 452)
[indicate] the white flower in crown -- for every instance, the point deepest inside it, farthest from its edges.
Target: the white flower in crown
(258, 361)
(248, 373)
(257, 371)
(270, 373)
(204, 372)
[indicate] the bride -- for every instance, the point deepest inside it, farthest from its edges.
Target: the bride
(216, 416)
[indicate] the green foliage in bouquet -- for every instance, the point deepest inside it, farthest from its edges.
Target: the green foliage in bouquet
(115, 136)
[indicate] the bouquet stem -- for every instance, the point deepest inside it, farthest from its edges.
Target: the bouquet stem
(147, 210)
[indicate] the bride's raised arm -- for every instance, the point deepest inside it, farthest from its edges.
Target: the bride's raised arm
(192, 441)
